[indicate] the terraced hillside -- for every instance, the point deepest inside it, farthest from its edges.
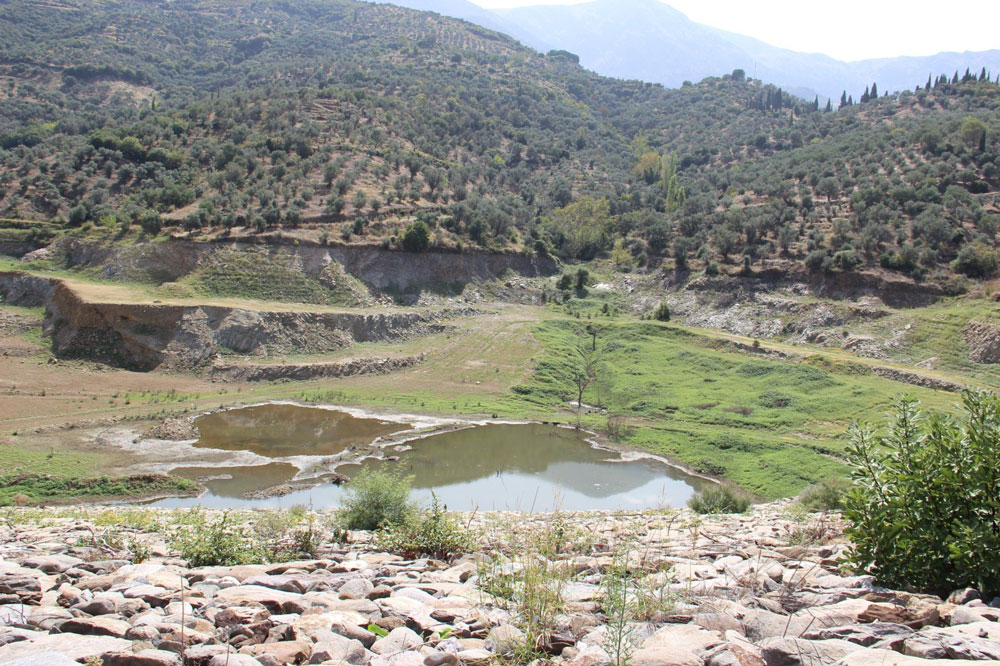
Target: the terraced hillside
(336, 121)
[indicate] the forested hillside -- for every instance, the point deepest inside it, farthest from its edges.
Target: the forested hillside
(338, 121)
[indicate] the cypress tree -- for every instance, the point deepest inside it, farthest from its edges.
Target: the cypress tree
(843, 98)
(928, 86)
(829, 105)
(874, 91)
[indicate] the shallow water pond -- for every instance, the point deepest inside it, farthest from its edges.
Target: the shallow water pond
(487, 467)
(279, 430)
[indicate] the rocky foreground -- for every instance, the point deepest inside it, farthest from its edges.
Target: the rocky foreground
(761, 589)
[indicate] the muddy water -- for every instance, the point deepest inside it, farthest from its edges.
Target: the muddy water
(280, 431)
(486, 467)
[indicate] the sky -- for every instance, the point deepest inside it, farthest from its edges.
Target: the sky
(846, 29)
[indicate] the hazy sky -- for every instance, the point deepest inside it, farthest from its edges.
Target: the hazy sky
(844, 29)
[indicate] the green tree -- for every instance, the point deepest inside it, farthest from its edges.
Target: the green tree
(417, 237)
(924, 510)
(973, 131)
(582, 227)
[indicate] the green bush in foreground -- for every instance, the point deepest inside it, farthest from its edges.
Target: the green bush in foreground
(925, 506)
(374, 499)
(217, 543)
(720, 499)
(435, 534)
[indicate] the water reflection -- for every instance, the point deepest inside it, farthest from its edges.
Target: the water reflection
(491, 467)
(279, 431)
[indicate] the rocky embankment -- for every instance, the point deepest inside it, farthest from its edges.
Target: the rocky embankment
(232, 372)
(149, 336)
(380, 270)
(762, 589)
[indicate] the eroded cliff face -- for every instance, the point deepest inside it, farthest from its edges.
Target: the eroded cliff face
(148, 336)
(382, 271)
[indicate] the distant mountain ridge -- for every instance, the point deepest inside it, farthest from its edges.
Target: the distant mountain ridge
(651, 41)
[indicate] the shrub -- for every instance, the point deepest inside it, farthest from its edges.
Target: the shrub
(720, 499)
(209, 543)
(827, 495)
(977, 261)
(374, 499)
(435, 534)
(662, 312)
(417, 237)
(924, 510)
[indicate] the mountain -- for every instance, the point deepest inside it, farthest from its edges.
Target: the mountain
(651, 41)
(346, 122)
(461, 9)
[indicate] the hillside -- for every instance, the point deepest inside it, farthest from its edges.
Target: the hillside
(335, 121)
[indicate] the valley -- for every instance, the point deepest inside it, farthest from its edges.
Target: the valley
(754, 379)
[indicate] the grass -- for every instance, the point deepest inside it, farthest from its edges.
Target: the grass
(271, 276)
(935, 331)
(773, 427)
(30, 488)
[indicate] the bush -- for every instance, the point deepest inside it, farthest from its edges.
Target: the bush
(924, 510)
(417, 237)
(374, 499)
(977, 261)
(662, 312)
(827, 495)
(216, 543)
(436, 534)
(720, 499)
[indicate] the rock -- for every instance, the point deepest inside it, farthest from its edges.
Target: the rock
(74, 646)
(415, 594)
(97, 606)
(441, 659)
(399, 640)
(233, 660)
(272, 600)
(52, 564)
(285, 652)
(865, 635)
(475, 657)
(48, 617)
(356, 588)
(26, 588)
(967, 615)
(43, 659)
(873, 657)
(142, 658)
(380, 592)
(96, 626)
(800, 652)
(658, 656)
(983, 340)
(504, 639)
(340, 649)
(961, 597)
(932, 643)
(406, 659)
(684, 637)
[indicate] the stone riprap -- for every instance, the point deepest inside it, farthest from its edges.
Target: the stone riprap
(762, 589)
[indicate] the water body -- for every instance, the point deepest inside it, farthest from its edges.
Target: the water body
(280, 431)
(489, 467)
